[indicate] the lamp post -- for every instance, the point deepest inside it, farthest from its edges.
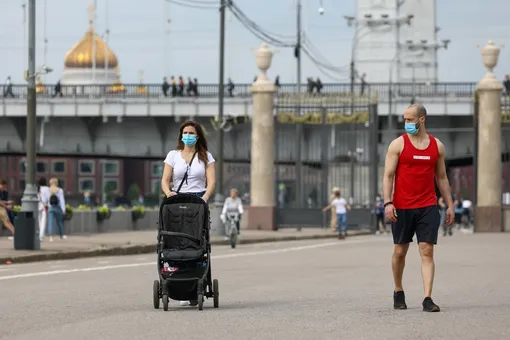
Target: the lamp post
(299, 126)
(221, 97)
(29, 201)
(216, 224)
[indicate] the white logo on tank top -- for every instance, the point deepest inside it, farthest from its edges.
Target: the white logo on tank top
(421, 157)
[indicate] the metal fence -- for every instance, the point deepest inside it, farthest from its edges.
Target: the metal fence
(154, 91)
(321, 144)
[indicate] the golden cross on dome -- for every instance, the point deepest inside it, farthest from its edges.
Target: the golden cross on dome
(91, 13)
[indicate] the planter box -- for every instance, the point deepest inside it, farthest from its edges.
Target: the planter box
(85, 222)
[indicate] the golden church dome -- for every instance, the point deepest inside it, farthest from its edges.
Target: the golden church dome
(81, 55)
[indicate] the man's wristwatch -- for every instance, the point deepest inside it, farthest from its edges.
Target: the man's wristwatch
(388, 203)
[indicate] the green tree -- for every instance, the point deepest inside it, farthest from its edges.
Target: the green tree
(133, 192)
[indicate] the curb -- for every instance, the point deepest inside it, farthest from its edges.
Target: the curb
(150, 248)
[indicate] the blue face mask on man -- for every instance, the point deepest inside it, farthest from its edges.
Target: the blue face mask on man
(412, 128)
(189, 139)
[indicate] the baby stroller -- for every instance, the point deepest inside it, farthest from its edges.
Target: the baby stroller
(184, 249)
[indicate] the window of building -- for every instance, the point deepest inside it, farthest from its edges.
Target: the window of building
(62, 184)
(111, 168)
(155, 186)
(41, 167)
(157, 169)
(110, 185)
(86, 167)
(21, 185)
(58, 167)
(86, 184)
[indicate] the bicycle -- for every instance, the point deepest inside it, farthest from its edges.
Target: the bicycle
(231, 228)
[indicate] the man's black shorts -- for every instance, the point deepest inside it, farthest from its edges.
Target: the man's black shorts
(422, 221)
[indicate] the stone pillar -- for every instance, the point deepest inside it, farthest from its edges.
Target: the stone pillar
(262, 184)
(489, 168)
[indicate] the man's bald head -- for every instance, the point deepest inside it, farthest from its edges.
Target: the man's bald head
(419, 109)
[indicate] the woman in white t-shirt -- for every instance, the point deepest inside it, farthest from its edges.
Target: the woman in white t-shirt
(341, 207)
(193, 159)
(191, 148)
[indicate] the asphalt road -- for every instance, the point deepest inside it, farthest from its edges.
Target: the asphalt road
(289, 290)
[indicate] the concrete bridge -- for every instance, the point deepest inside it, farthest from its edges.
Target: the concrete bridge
(135, 100)
(139, 120)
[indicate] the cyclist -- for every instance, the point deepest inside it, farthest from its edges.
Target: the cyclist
(233, 204)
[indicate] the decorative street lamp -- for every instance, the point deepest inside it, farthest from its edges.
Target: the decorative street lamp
(23, 237)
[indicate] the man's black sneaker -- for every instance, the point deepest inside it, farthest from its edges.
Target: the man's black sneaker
(429, 305)
(399, 300)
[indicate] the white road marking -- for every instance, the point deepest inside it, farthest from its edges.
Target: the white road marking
(5, 270)
(103, 262)
(58, 266)
(217, 257)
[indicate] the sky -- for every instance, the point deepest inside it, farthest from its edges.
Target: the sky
(138, 38)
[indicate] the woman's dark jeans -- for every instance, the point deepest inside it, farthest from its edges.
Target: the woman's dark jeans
(55, 215)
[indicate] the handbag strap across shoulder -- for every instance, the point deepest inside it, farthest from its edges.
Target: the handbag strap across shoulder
(185, 177)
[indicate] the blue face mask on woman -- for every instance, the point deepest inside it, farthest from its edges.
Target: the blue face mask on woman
(189, 139)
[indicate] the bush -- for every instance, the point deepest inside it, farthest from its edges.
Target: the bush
(69, 213)
(103, 213)
(137, 212)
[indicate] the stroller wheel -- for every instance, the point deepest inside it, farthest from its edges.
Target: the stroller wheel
(200, 301)
(165, 302)
(155, 294)
(216, 293)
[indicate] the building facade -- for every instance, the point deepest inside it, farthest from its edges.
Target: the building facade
(397, 41)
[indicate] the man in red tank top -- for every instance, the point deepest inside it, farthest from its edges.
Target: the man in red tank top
(413, 162)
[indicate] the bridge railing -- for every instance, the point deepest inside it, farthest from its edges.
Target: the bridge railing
(153, 91)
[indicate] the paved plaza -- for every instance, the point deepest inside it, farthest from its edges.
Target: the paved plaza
(315, 289)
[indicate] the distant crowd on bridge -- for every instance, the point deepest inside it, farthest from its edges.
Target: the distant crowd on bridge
(176, 87)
